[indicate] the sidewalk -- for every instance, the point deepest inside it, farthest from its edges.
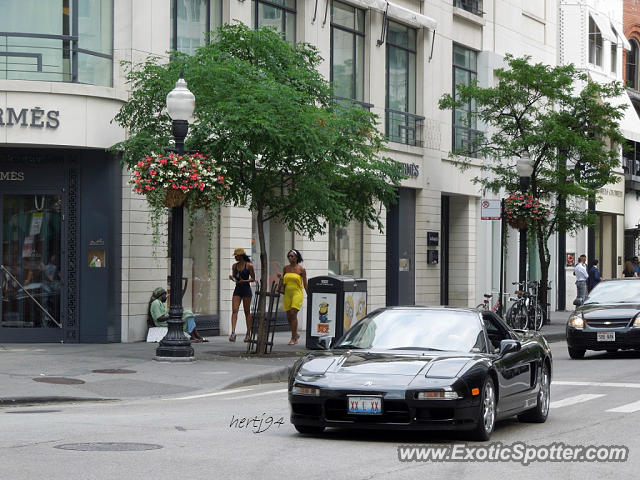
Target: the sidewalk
(43, 373)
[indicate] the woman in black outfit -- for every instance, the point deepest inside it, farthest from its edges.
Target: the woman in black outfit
(242, 273)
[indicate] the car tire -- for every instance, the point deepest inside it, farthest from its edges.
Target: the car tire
(308, 429)
(539, 413)
(486, 413)
(576, 353)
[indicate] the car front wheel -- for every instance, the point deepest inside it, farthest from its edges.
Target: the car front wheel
(576, 353)
(487, 412)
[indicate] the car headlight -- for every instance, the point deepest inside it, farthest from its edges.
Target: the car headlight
(299, 390)
(636, 322)
(576, 321)
(446, 394)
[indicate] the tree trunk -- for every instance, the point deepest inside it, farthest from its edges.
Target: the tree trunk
(264, 288)
(545, 261)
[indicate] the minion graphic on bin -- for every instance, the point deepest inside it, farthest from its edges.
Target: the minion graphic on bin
(323, 312)
(348, 312)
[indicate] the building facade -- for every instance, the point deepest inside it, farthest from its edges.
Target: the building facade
(78, 264)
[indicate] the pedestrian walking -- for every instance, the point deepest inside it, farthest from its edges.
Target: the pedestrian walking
(242, 274)
(628, 270)
(294, 277)
(594, 275)
(582, 276)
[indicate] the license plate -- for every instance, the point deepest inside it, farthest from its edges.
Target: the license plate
(606, 336)
(365, 405)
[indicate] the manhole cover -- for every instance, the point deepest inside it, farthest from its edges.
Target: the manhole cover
(34, 411)
(109, 447)
(59, 380)
(114, 370)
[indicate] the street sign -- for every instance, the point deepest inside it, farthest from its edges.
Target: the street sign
(489, 209)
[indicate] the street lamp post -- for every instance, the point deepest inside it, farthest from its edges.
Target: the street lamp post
(525, 169)
(175, 345)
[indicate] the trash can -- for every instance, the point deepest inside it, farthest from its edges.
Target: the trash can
(334, 305)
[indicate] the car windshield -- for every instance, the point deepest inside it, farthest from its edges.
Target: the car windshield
(414, 329)
(618, 291)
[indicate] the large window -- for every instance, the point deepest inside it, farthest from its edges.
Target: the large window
(345, 249)
(280, 14)
(614, 58)
(595, 43)
(632, 65)
(191, 21)
(402, 123)
(57, 41)
(473, 6)
(347, 51)
(464, 119)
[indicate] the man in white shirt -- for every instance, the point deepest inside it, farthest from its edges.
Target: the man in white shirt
(582, 276)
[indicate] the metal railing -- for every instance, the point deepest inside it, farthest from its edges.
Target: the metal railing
(404, 127)
(473, 6)
(467, 140)
(347, 101)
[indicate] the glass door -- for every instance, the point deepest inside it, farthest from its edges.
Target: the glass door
(30, 267)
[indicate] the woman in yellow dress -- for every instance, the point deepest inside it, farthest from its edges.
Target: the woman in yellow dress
(294, 278)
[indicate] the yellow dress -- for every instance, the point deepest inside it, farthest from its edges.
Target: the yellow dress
(292, 291)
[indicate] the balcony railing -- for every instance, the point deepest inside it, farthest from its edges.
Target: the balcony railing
(347, 101)
(404, 127)
(52, 58)
(464, 140)
(473, 6)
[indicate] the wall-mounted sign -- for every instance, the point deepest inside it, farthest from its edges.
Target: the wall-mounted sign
(33, 118)
(11, 176)
(489, 209)
(411, 169)
(96, 243)
(432, 257)
(432, 239)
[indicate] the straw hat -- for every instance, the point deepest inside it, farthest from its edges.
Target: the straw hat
(238, 251)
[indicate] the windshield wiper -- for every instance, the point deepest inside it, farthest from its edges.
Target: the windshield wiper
(418, 348)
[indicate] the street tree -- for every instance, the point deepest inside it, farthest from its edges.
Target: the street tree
(266, 114)
(559, 118)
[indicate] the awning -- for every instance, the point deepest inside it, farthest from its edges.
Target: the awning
(629, 123)
(399, 13)
(604, 25)
(621, 38)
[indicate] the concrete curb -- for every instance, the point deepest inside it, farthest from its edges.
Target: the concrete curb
(555, 337)
(274, 376)
(9, 401)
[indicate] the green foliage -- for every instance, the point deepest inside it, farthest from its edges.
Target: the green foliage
(559, 118)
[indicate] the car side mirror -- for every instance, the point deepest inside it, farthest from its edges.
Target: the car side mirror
(508, 346)
(325, 342)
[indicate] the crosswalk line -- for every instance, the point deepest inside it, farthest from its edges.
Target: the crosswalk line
(628, 408)
(268, 392)
(214, 394)
(565, 402)
(596, 384)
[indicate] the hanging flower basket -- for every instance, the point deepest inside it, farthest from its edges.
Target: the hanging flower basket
(522, 210)
(175, 198)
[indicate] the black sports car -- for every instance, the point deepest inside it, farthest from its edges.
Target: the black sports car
(423, 368)
(609, 318)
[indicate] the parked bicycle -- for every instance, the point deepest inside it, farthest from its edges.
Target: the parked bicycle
(525, 313)
(487, 303)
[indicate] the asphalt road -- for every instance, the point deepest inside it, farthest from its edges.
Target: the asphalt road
(595, 401)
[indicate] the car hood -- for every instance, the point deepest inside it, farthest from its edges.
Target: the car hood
(602, 311)
(403, 364)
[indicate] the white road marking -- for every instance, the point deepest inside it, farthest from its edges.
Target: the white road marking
(214, 394)
(257, 394)
(596, 384)
(628, 408)
(575, 399)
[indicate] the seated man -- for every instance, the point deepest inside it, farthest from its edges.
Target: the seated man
(158, 315)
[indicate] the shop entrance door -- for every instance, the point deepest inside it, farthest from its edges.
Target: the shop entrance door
(31, 264)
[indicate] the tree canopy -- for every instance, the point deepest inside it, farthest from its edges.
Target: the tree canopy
(558, 117)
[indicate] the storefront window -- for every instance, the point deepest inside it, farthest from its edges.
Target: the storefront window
(38, 41)
(345, 249)
(278, 241)
(201, 295)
